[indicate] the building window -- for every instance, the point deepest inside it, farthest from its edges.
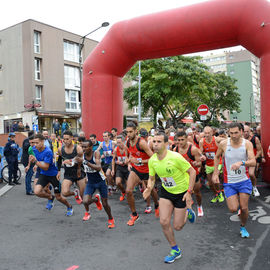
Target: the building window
(71, 51)
(37, 69)
(72, 77)
(36, 42)
(72, 100)
(38, 94)
(135, 110)
(231, 56)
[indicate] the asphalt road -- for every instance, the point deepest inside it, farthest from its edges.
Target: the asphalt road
(35, 238)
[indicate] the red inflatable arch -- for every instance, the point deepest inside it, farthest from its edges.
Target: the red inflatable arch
(205, 26)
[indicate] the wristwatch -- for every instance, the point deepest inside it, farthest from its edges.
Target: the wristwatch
(243, 163)
(190, 191)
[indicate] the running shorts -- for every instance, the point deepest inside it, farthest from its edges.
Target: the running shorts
(122, 172)
(106, 166)
(73, 177)
(176, 199)
(210, 169)
(92, 187)
(44, 180)
(142, 176)
(236, 188)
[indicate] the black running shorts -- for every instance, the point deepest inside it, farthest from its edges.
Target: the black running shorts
(176, 199)
(44, 180)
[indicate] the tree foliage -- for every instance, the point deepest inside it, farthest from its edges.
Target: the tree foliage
(176, 86)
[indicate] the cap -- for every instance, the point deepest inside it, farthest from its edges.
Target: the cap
(11, 134)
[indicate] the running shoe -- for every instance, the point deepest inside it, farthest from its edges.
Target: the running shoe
(49, 204)
(255, 192)
(174, 255)
(98, 203)
(215, 199)
(200, 211)
(122, 197)
(114, 188)
(77, 196)
(86, 216)
(132, 220)
(148, 210)
(111, 223)
(191, 215)
(69, 211)
(157, 212)
(243, 232)
(220, 197)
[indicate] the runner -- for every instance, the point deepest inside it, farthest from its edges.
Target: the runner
(96, 180)
(257, 149)
(70, 154)
(139, 154)
(120, 164)
(114, 134)
(178, 178)
(208, 146)
(44, 160)
(192, 154)
(107, 146)
(238, 156)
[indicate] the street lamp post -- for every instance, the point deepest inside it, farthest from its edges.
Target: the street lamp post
(139, 95)
(250, 111)
(81, 46)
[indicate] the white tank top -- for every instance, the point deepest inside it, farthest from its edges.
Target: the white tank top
(233, 155)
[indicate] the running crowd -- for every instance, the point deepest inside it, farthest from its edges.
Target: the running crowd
(178, 158)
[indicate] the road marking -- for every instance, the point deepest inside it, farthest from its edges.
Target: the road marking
(73, 267)
(259, 243)
(5, 189)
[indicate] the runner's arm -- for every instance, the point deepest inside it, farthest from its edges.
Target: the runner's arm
(96, 166)
(259, 148)
(150, 186)
(113, 160)
(41, 164)
(216, 161)
(251, 161)
(196, 153)
(144, 146)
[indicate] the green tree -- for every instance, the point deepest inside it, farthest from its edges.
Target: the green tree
(176, 86)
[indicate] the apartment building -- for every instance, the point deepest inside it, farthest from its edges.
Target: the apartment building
(40, 75)
(245, 68)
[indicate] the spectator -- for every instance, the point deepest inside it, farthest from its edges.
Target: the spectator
(11, 152)
(25, 160)
(20, 127)
(56, 127)
(64, 126)
(14, 127)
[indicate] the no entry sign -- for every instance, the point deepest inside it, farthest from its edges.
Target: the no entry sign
(203, 109)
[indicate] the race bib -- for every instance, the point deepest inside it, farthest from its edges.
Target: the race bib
(107, 153)
(88, 169)
(210, 155)
(139, 160)
(238, 172)
(72, 163)
(168, 181)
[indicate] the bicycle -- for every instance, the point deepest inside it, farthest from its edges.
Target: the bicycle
(4, 173)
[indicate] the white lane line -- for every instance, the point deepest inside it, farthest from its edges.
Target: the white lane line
(5, 189)
(259, 243)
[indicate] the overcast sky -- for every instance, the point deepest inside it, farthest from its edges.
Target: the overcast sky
(82, 16)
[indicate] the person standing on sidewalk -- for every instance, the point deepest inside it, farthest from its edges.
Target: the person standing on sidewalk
(238, 157)
(11, 152)
(178, 179)
(25, 158)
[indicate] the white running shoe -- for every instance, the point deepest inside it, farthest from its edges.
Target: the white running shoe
(200, 211)
(256, 192)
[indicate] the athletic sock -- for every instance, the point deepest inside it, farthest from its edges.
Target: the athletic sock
(134, 214)
(156, 206)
